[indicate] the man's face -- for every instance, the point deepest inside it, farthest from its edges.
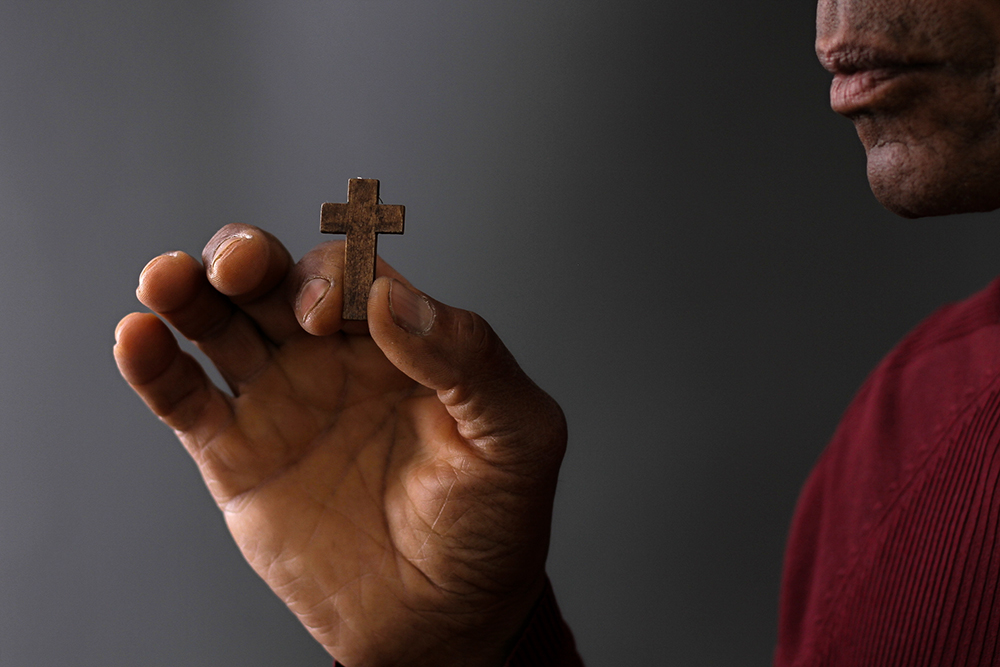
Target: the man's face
(920, 80)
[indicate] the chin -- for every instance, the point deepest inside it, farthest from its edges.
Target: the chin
(930, 182)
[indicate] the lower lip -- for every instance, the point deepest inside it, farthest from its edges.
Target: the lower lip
(850, 93)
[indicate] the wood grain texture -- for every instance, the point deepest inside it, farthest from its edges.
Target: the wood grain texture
(362, 219)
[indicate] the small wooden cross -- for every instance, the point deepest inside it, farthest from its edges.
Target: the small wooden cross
(362, 218)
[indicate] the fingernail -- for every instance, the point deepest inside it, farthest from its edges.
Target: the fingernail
(226, 247)
(310, 295)
(410, 311)
(151, 263)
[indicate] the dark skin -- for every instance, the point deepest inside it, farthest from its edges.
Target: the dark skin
(921, 81)
(392, 481)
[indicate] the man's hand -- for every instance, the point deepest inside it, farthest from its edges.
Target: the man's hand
(392, 481)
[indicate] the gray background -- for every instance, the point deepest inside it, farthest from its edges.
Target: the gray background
(650, 201)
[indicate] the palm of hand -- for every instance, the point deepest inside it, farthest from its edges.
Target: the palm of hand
(349, 462)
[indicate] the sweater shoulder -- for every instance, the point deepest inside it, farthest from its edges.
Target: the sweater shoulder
(913, 454)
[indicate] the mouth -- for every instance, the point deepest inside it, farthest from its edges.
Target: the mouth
(865, 77)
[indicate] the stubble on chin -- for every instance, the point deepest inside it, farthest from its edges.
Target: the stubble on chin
(941, 157)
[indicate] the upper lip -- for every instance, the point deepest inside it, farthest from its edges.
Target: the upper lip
(849, 59)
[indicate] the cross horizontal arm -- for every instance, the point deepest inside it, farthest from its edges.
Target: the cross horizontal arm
(334, 218)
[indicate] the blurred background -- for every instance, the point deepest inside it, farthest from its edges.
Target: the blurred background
(650, 201)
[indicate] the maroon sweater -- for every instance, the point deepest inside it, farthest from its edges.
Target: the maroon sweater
(893, 558)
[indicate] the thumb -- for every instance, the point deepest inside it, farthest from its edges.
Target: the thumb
(496, 406)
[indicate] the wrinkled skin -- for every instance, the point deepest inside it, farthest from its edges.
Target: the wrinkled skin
(391, 481)
(932, 129)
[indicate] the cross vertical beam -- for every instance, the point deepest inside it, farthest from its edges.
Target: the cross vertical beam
(362, 219)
